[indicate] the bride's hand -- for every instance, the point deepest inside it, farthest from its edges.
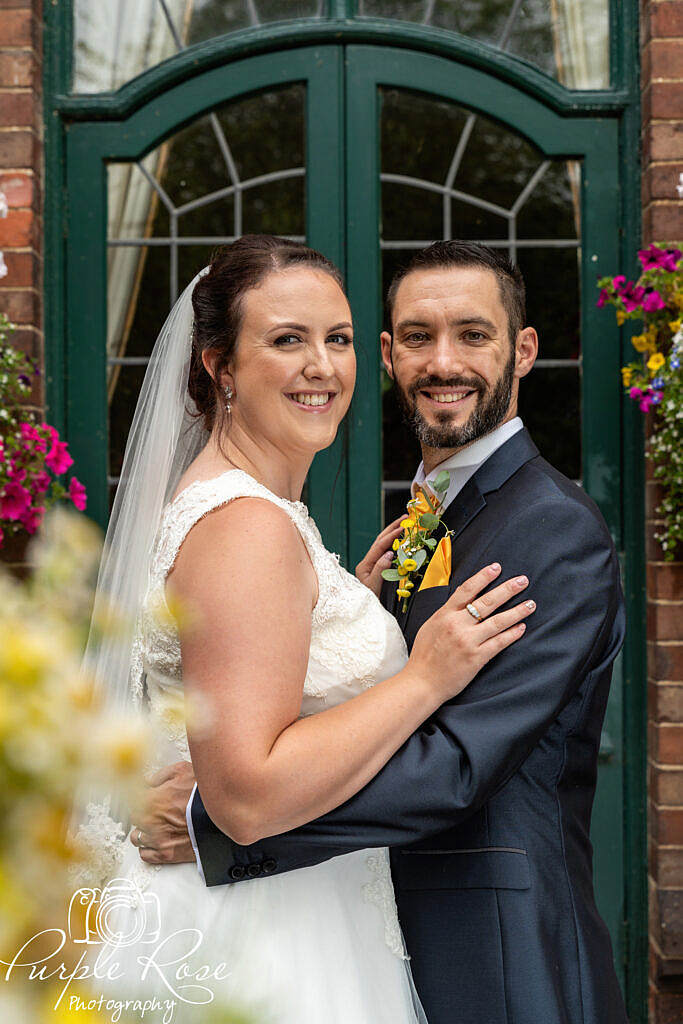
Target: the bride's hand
(380, 556)
(452, 646)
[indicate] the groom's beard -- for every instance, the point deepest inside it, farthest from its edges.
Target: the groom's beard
(490, 409)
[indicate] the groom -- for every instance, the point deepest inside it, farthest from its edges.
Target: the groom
(487, 806)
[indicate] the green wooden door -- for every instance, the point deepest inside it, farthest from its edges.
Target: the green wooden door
(350, 92)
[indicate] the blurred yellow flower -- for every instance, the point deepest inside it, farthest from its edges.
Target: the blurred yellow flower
(640, 343)
(655, 362)
(621, 317)
(626, 375)
(402, 592)
(410, 565)
(675, 326)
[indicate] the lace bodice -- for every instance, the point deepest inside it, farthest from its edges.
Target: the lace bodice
(355, 642)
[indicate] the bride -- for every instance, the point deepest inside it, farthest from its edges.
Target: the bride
(301, 677)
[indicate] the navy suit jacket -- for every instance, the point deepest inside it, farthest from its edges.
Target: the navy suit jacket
(487, 806)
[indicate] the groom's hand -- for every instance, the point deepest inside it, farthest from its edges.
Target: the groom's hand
(161, 830)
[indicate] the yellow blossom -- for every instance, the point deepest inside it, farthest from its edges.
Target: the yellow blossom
(621, 317)
(408, 585)
(403, 593)
(410, 564)
(402, 571)
(407, 524)
(396, 545)
(655, 362)
(626, 375)
(675, 326)
(640, 343)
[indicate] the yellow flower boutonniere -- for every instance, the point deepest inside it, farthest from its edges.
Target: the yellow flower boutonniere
(423, 519)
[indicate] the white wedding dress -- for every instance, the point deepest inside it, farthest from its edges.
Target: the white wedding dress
(319, 945)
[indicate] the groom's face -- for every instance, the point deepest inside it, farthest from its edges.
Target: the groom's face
(455, 365)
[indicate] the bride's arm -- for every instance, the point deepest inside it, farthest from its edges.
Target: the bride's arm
(246, 575)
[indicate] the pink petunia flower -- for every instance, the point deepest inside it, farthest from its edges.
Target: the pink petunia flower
(654, 258)
(14, 501)
(604, 296)
(32, 518)
(632, 296)
(78, 494)
(58, 458)
(635, 393)
(17, 476)
(618, 282)
(652, 301)
(32, 438)
(41, 481)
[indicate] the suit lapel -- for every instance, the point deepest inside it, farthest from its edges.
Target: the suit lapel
(497, 469)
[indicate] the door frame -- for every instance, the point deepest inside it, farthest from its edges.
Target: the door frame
(621, 103)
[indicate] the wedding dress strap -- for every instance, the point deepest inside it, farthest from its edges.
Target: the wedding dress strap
(202, 497)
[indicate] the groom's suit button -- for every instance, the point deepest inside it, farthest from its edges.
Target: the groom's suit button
(269, 866)
(254, 870)
(237, 872)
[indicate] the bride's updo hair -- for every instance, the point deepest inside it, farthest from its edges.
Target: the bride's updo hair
(217, 304)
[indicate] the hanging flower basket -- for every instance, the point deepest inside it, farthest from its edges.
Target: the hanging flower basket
(33, 459)
(654, 378)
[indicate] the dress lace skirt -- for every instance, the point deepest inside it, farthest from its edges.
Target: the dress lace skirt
(319, 945)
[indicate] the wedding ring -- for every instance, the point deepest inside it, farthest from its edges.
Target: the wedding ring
(139, 843)
(473, 612)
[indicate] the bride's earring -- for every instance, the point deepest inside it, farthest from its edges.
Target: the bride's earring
(228, 396)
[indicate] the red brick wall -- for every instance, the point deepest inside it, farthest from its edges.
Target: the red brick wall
(662, 85)
(21, 171)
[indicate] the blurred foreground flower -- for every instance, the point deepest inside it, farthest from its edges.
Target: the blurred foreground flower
(51, 735)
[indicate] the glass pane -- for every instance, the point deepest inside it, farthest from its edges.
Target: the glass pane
(117, 40)
(448, 173)
(167, 213)
(568, 39)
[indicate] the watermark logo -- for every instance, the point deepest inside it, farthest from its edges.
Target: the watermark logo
(161, 972)
(119, 914)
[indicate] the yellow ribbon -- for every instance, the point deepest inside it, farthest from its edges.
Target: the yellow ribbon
(438, 572)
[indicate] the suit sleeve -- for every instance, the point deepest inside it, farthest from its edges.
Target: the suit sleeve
(471, 746)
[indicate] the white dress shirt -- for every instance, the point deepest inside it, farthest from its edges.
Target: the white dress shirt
(466, 462)
(461, 466)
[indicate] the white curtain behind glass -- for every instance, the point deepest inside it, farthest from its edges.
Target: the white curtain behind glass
(114, 43)
(581, 39)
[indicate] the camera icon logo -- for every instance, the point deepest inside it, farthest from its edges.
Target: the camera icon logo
(120, 914)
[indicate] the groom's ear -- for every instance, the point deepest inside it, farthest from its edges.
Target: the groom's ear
(386, 342)
(526, 350)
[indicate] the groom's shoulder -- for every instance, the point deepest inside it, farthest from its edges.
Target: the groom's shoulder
(540, 493)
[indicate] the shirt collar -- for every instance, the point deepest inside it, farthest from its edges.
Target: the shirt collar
(464, 463)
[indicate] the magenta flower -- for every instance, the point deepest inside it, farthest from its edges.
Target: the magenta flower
(32, 518)
(655, 258)
(14, 501)
(653, 301)
(77, 494)
(635, 393)
(41, 481)
(32, 438)
(645, 403)
(632, 296)
(17, 476)
(618, 282)
(604, 297)
(2, 536)
(58, 458)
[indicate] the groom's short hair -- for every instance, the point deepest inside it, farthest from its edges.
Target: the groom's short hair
(456, 253)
